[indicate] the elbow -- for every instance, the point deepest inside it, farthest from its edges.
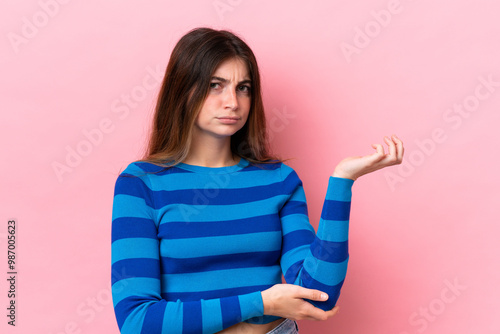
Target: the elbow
(133, 314)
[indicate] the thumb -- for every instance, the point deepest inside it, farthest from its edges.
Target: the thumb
(379, 154)
(314, 294)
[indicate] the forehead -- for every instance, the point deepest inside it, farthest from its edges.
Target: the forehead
(233, 67)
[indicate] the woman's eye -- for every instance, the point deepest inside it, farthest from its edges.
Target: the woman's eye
(214, 85)
(245, 89)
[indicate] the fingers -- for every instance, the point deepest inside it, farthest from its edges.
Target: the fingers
(320, 315)
(289, 301)
(311, 294)
(332, 312)
(399, 147)
(379, 148)
(379, 155)
(354, 167)
(315, 313)
(392, 147)
(395, 148)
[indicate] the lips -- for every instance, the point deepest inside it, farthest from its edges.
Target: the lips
(228, 119)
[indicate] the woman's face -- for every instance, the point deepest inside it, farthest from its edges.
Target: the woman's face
(226, 108)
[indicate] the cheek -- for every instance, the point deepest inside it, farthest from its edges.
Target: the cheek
(207, 109)
(208, 104)
(245, 105)
(246, 112)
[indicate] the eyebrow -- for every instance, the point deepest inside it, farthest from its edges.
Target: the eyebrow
(248, 81)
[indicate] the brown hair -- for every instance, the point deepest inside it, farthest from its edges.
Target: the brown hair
(184, 89)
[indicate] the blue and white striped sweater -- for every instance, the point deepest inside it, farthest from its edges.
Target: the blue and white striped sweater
(192, 246)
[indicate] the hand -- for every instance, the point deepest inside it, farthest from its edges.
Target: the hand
(287, 301)
(354, 167)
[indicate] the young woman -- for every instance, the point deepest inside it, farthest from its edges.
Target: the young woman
(207, 223)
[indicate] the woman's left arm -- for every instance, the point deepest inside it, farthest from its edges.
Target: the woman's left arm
(320, 261)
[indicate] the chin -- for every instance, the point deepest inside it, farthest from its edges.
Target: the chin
(226, 134)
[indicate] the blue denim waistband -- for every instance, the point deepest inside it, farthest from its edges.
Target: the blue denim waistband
(286, 327)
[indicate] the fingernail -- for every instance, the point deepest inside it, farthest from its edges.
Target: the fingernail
(324, 296)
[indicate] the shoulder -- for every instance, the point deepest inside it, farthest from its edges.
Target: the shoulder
(281, 171)
(133, 174)
(290, 178)
(287, 171)
(145, 174)
(139, 169)
(143, 170)
(136, 175)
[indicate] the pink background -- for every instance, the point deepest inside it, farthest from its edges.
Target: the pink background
(78, 76)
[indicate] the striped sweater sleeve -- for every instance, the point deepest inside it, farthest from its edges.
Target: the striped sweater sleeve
(136, 274)
(316, 261)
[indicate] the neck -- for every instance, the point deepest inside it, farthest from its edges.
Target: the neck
(211, 152)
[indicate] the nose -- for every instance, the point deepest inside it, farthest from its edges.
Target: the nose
(231, 100)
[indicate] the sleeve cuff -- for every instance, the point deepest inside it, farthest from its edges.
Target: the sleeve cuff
(251, 305)
(339, 189)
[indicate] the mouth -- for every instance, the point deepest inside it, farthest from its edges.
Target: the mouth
(228, 119)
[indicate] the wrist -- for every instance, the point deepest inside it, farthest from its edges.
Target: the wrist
(343, 175)
(266, 302)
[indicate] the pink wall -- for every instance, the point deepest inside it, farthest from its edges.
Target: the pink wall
(81, 76)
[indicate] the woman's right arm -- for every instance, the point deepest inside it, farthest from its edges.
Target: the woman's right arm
(136, 274)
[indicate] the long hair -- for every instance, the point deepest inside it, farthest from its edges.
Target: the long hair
(184, 89)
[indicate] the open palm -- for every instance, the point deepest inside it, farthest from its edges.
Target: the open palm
(354, 167)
